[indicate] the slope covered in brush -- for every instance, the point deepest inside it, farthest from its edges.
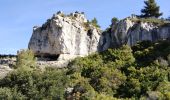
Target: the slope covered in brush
(122, 73)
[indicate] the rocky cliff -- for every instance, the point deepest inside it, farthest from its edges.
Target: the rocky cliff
(65, 36)
(132, 30)
(68, 36)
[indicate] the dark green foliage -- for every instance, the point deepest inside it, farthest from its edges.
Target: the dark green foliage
(10, 94)
(37, 85)
(114, 20)
(146, 52)
(151, 9)
(116, 73)
(94, 22)
(141, 72)
(105, 72)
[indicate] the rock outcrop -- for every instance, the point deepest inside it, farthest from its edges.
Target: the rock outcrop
(65, 36)
(132, 30)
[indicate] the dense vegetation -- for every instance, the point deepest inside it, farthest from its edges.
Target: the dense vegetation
(122, 73)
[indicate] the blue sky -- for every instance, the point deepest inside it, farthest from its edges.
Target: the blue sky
(17, 17)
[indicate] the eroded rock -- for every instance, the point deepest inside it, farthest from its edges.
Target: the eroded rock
(65, 35)
(128, 31)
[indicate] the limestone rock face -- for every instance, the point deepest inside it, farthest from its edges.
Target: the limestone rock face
(105, 41)
(133, 32)
(130, 32)
(68, 36)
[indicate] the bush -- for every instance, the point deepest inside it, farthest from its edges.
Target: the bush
(37, 85)
(26, 59)
(8, 94)
(5, 93)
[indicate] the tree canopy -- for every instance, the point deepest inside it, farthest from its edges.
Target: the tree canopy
(95, 22)
(151, 9)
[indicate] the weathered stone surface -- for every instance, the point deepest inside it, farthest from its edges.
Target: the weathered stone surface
(143, 31)
(69, 36)
(130, 32)
(105, 41)
(66, 36)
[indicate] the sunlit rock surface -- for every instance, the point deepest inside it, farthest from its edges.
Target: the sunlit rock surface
(66, 36)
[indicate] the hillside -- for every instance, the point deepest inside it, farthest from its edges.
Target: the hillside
(122, 73)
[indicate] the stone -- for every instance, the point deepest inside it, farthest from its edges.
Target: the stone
(65, 36)
(130, 32)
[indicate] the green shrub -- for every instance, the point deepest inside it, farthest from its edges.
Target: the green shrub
(26, 59)
(5, 94)
(10, 94)
(37, 85)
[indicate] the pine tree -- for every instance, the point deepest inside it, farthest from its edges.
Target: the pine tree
(151, 9)
(95, 23)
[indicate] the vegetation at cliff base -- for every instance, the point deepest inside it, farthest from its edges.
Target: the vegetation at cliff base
(140, 72)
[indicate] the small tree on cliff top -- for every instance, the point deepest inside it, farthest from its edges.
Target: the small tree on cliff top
(95, 23)
(151, 9)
